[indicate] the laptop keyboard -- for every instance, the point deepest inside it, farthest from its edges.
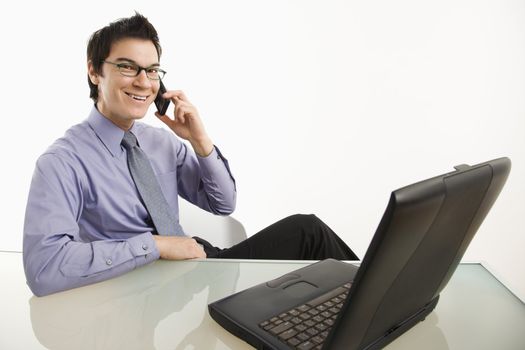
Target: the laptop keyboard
(306, 326)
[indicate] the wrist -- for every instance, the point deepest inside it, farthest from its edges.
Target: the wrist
(160, 243)
(203, 147)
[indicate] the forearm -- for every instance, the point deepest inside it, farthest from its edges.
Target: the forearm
(54, 264)
(202, 147)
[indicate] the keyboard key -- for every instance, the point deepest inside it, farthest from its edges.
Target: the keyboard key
(303, 336)
(329, 322)
(300, 327)
(288, 334)
(321, 307)
(281, 328)
(303, 308)
(287, 317)
(293, 342)
(307, 345)
(294, 312)
(305, 316)
(321, 326)
(268, 327)
(296, 320)
(318, 319)
(313, 312)
(312, 331)
(309, 323)
(318, 340)
(335, 310)
(328, 304)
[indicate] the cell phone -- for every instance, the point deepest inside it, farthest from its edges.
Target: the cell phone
(161, 103)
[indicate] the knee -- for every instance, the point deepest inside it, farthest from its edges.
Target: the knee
(307, 221)
(301, 218)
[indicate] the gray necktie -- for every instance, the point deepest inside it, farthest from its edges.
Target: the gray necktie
(149, 189)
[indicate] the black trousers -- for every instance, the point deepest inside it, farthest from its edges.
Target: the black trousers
(297, 237)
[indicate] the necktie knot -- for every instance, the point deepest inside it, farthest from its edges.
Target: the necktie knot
(129, 141)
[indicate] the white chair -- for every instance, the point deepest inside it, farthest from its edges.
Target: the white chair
(221, 231)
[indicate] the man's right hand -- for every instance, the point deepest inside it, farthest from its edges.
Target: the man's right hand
(178, 248)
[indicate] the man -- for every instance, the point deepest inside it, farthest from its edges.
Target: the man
(104, 197)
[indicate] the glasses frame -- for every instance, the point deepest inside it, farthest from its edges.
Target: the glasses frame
(121, 65)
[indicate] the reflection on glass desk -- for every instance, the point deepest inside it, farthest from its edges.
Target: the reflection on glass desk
(164, 306)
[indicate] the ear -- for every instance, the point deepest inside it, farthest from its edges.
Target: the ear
(93, 76)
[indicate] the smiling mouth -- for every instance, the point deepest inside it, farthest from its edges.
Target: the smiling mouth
(137, 97)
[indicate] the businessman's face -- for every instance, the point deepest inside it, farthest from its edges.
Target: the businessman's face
(123, 98)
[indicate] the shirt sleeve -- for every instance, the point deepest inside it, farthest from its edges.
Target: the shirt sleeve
(206, 181)
(55, 257)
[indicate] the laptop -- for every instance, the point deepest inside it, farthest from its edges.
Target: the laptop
(420, 240)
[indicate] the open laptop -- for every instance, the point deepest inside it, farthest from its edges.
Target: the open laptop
(421, 239)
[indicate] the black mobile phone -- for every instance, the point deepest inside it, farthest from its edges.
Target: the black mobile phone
(161, 103)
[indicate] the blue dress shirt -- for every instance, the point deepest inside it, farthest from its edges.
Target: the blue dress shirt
(84, 219)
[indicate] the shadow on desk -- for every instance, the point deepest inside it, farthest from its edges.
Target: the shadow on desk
(145, 309)
(425, 335)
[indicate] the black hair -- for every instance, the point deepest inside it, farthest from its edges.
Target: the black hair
(100, 42)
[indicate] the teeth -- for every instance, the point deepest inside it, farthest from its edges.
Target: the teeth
(139, 98)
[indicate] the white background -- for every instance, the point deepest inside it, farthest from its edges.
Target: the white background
(321, 107)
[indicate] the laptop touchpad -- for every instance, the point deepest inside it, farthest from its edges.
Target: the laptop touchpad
(300, 289)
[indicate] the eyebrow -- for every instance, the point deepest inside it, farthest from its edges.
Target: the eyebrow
(131, 61)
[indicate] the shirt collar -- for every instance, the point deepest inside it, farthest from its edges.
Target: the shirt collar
(110, 134)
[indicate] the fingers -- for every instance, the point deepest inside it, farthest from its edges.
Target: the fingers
(181, 110)
(195, 250)
(182, 105)
(200, 253)
(175, 96)
(178, 248)
(186, 122)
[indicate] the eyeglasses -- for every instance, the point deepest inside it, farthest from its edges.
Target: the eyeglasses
(129, 69)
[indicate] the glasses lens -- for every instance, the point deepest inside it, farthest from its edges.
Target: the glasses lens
(155, 73)
(128, 69)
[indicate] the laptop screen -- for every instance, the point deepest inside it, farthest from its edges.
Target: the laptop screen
(420, 240)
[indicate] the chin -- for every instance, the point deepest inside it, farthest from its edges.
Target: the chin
(139, 116)
(134, 114)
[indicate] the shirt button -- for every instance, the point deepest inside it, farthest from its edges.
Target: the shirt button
(144, 247)
(109, 262)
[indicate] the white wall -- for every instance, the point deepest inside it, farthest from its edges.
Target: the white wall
(321, 106)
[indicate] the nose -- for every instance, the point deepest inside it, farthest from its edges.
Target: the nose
(142, 80)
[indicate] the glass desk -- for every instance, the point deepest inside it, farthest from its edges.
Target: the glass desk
(164, 306)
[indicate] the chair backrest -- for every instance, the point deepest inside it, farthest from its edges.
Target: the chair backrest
(221, 231)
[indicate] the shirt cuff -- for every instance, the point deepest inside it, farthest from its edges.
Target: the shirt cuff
(143, 245)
